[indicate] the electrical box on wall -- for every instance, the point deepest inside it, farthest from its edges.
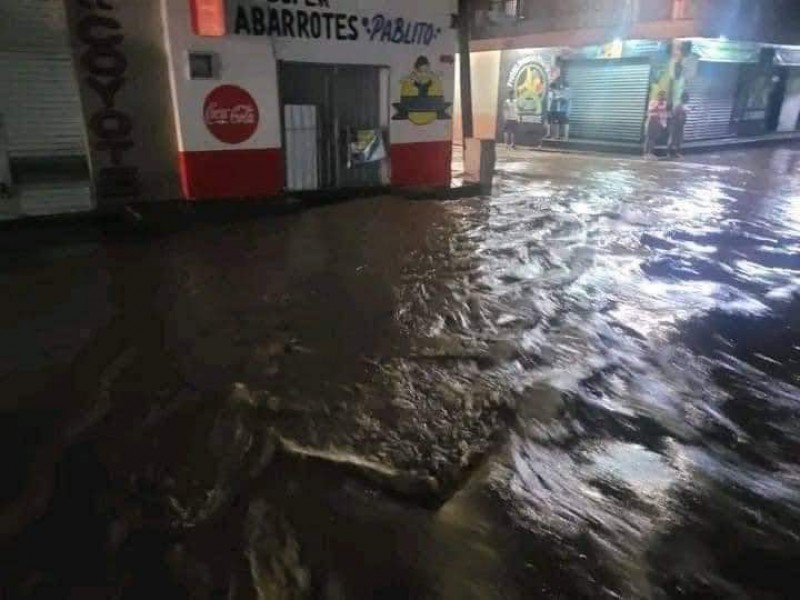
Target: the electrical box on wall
(203, 65)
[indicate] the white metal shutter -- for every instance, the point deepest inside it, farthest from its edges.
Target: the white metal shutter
(609, 99)
(40, 105)
(302, 146)
(790, 111)
(39, 97)
(41, 110)
(712, 97)
(33, 26)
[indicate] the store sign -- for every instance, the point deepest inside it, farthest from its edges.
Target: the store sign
(231, 114)
(102, 68)
(727, 51)
(319, 20)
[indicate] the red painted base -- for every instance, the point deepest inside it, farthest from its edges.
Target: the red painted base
(421, 163)
(222, 174)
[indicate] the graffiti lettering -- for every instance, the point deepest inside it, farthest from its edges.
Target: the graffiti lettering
(104, 60)
(88, 35)
(111, 124)
(106, 89)
(105, 65)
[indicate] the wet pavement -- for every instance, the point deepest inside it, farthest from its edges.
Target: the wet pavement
(585, 386)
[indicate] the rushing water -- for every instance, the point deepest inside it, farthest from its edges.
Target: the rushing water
(595, 370)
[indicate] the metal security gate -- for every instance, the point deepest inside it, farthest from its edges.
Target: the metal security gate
(41, 112)
(609, 99)
(712, 98)
(40, 103)
(302, 141)
(348, 103)
(789, 119)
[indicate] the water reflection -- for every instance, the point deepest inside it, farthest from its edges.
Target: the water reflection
(584, 386)
(682, 390)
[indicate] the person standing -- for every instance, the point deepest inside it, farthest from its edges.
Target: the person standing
(511, 120)
(657, 115)
(680, 113)
(551, 116)
(564, 106)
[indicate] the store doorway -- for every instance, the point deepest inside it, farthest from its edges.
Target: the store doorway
(776, 97)
(335, 125)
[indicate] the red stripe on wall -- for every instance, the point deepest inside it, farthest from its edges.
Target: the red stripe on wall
(421, 163)
(221, 174)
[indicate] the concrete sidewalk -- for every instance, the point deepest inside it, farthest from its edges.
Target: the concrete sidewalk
(688, 147)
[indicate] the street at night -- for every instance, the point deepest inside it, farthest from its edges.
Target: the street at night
(582, 386)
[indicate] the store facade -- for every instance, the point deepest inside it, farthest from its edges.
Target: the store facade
(226, 99)
(737, 89)
(312, 94)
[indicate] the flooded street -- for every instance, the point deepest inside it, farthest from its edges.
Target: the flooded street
(585, 386)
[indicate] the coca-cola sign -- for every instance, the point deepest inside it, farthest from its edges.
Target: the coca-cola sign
(231, 114)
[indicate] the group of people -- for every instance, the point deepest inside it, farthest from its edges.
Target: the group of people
(558, 107)
(556, 116)
(661, 119)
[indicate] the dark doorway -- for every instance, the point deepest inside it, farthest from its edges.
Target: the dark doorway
(776, 96)
(346, 100)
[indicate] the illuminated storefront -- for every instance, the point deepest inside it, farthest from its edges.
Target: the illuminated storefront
(311, 94)
(225, 99)
(737, 89)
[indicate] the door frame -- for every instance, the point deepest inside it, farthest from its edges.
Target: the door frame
(384, 111)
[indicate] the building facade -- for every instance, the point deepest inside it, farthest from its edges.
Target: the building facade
(616, 56)
(736, 89)
(221, 99)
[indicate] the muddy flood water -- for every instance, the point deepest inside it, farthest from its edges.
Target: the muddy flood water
(584, 386)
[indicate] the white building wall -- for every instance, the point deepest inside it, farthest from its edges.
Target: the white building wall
(485, 85)
(250, 61)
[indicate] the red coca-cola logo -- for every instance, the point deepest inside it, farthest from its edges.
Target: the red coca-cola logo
(231, 114)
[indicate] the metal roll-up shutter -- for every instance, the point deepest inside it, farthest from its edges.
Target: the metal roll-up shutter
(713, 95)
(609, 99)
(39, 101)
(789, 119)
(40, 108)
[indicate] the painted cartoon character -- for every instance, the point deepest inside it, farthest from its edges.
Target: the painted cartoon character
(422, 77)
(422, 95)
(531, 87)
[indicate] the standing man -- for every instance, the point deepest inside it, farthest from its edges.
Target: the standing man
(680, 113)
(511, 120)
(551, 116)
(564, 107)
(657, 115)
